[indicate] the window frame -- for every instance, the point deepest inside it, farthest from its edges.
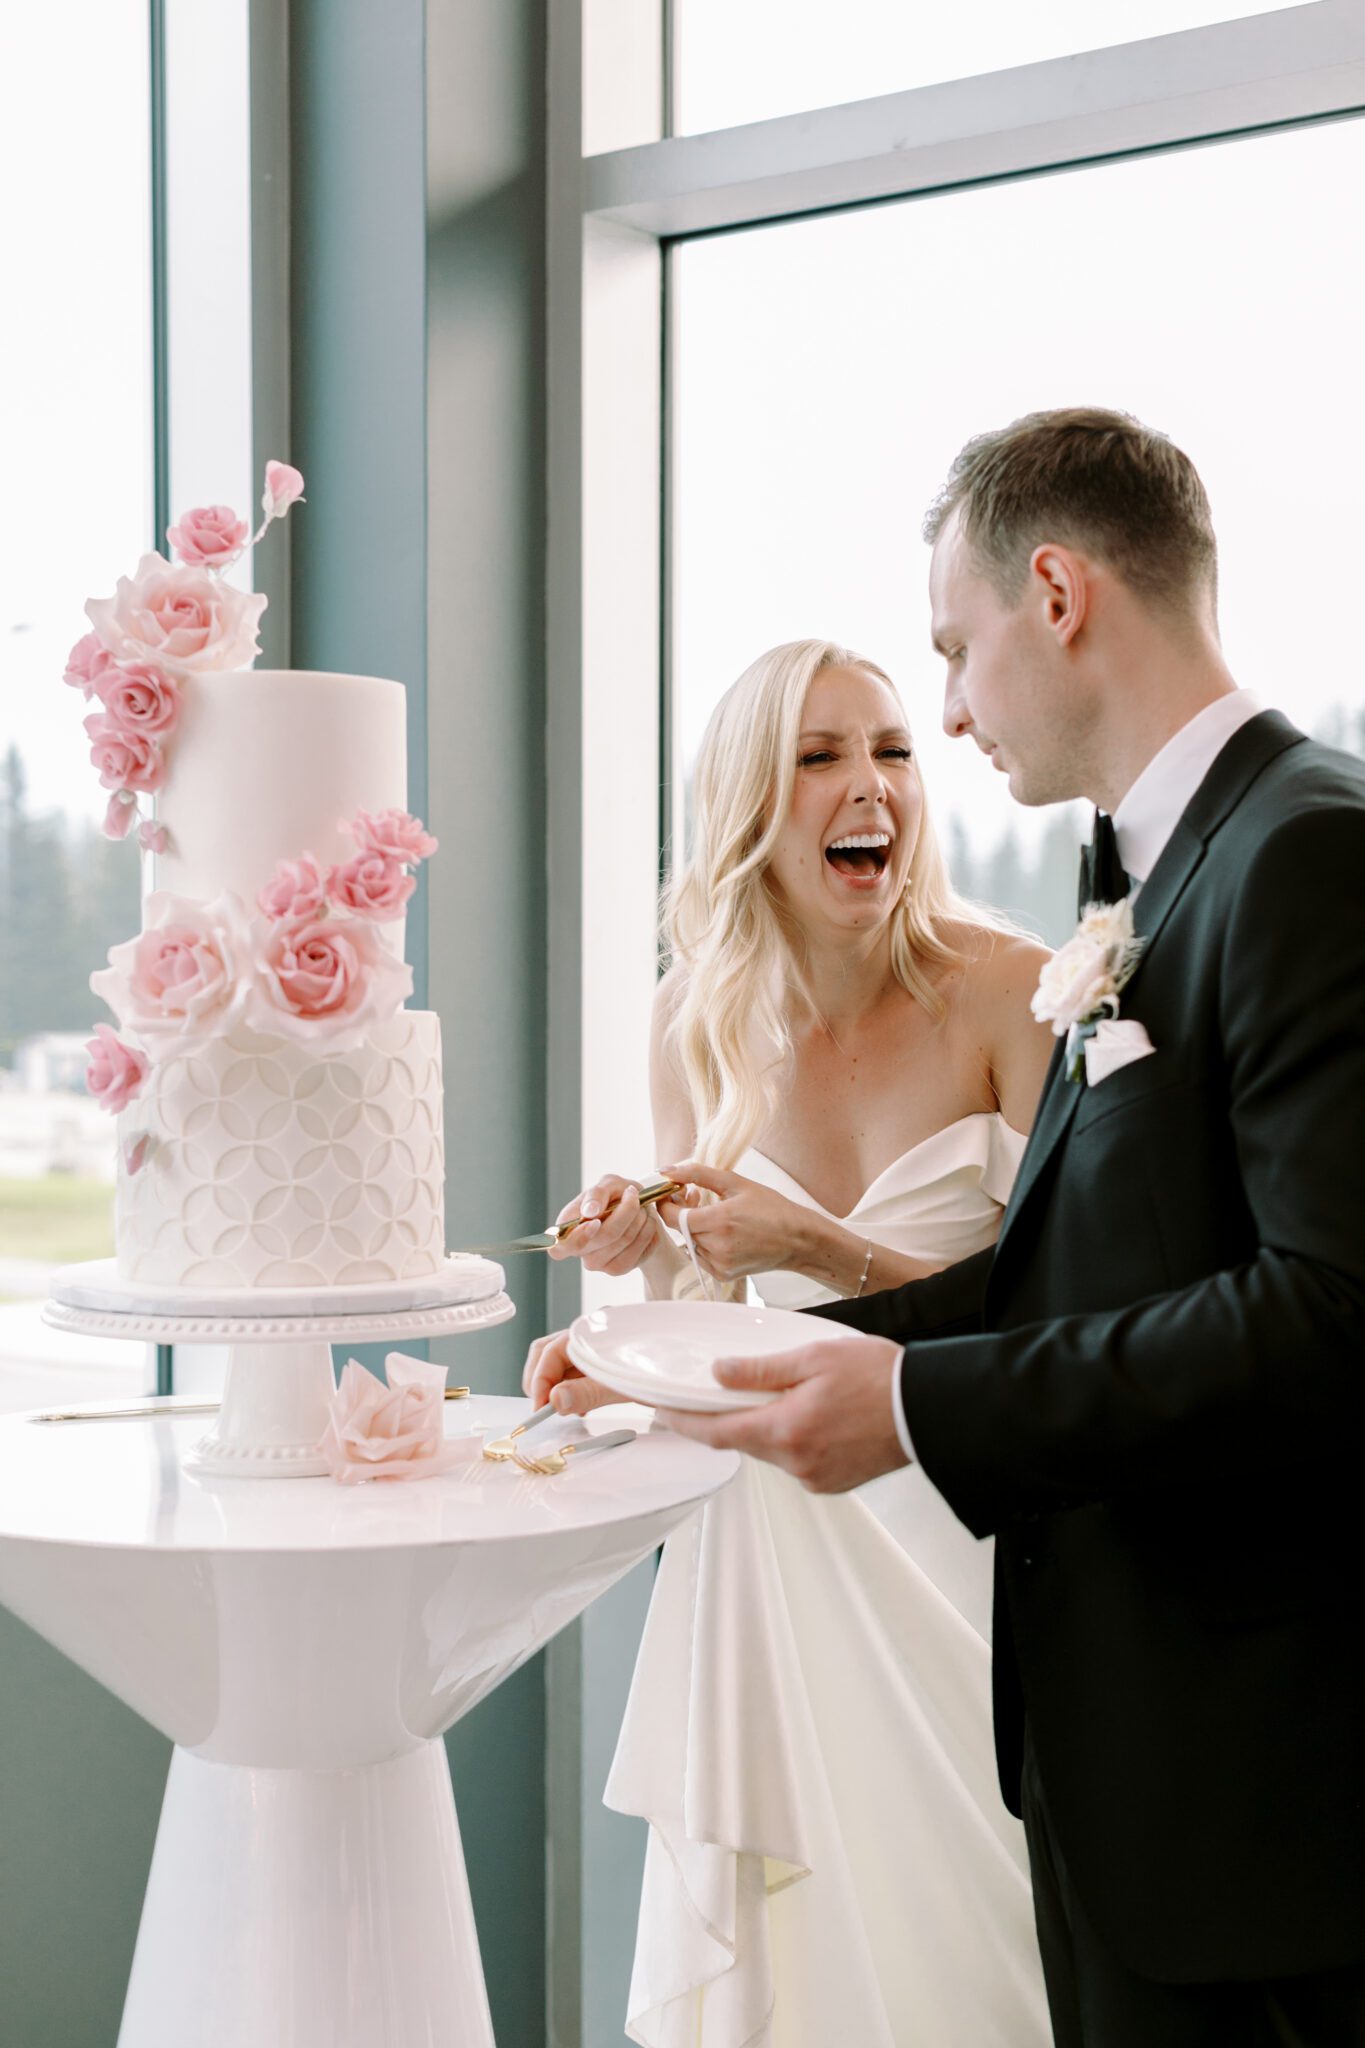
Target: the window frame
(612, 221)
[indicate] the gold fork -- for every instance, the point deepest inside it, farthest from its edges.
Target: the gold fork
(553, 1461)
(500, 1448)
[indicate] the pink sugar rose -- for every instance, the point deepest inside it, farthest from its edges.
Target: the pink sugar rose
(87, 662)
(210, 537)
(152, 837)
(390, 1432)
(296, 890)
(116, 1071)
(324, 980)
(371, 885)
(394, 834)
(126, 760)
(185, 978)
(140, 697)
(283, 488)
(184, 619)
(121, 815)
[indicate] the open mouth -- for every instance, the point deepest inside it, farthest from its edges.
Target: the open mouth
(863, 854)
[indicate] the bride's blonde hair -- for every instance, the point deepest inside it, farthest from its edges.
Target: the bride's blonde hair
(726, 928)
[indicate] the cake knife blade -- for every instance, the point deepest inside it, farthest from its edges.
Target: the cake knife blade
(545, 1240)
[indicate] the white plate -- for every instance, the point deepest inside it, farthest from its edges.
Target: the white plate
(664, 1352)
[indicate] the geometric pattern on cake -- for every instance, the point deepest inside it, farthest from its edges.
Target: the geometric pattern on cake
(272, 1164)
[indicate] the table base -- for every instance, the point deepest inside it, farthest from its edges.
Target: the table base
(296, 1909)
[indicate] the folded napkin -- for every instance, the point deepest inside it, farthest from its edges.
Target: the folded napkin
(1116, 1042)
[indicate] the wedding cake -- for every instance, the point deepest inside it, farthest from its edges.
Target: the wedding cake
(279, 1110)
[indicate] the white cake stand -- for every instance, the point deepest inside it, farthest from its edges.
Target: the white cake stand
(280, 1378)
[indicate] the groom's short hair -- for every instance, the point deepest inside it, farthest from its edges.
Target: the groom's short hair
(1092, 479)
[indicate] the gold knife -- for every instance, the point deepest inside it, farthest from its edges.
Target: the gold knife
(545, 1240)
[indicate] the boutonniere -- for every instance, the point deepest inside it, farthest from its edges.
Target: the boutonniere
(1078, 993)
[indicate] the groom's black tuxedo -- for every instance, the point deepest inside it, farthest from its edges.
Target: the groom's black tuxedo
(1152, 1392)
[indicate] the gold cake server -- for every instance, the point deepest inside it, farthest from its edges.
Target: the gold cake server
(545, 1240)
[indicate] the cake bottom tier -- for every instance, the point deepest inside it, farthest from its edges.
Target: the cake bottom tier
(268, 1166)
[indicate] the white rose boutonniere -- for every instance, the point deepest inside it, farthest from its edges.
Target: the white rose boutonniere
(1080, 985)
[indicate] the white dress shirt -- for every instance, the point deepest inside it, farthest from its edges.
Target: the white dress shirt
(1154, 805)
(1143, 822)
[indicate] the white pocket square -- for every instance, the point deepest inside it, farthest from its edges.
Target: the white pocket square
(1117, 1041)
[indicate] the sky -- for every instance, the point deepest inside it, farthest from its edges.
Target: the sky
(827, 371)
(750, 60)
(75, 364)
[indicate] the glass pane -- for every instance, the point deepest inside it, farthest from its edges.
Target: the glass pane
(827, 371)
(749, 60)
(76, 513)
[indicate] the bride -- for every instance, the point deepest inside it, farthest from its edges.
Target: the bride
(843, 1070)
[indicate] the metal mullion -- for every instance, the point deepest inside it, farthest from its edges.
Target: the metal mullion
(161, 398)
(669, 36)
(1060, 168)
(669, 815)
(1199, 85)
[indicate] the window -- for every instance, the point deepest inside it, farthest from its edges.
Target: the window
(870, 303)
(83, 384)
(825, 372)
(76, 451)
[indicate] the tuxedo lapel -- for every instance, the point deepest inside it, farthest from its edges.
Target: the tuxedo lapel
(1252, 747)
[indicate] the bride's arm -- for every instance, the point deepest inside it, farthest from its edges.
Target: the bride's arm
(839, 1258)
(751, 1228)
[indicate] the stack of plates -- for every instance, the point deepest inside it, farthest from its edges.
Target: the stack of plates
(664, 1352)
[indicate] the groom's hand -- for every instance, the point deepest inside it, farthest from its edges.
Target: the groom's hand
(832, 1425)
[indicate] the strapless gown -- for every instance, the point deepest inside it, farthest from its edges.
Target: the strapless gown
(808, 1733)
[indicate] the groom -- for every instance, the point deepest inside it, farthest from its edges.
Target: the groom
(1152, 1391)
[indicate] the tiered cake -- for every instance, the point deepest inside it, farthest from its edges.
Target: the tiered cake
(279, 1111)
(251, 1159)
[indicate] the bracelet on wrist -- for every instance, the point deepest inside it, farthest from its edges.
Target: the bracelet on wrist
(862, 1278)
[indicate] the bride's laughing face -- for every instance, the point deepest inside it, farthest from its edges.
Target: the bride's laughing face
(843, 856)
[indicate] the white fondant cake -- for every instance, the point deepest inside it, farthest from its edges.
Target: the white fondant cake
(261, 1161)
(267, 763)
(270, 1167)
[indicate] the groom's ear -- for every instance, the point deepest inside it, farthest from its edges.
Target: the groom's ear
(1060, 586)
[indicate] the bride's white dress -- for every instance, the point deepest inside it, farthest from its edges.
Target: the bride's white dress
(830, 1864)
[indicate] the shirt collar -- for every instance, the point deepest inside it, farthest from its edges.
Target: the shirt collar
(1151, 809)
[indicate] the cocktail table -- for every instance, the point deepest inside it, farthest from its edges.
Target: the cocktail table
(305, 1647)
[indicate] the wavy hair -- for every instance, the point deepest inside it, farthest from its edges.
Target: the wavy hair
(728, 930)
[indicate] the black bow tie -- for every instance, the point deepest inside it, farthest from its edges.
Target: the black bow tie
(1103, 879)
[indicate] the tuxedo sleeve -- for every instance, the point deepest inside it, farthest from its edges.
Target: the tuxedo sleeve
(1248, 1370)
(945, 1304)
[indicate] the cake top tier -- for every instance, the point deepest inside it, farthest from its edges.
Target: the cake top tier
(267, 765)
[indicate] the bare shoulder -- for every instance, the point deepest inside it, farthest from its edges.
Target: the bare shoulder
(999, 973)
(992, 999)
(1010, 965)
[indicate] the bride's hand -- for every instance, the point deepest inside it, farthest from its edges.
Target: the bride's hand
(750, 1229)
(550, 1377)
(617, 1235)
